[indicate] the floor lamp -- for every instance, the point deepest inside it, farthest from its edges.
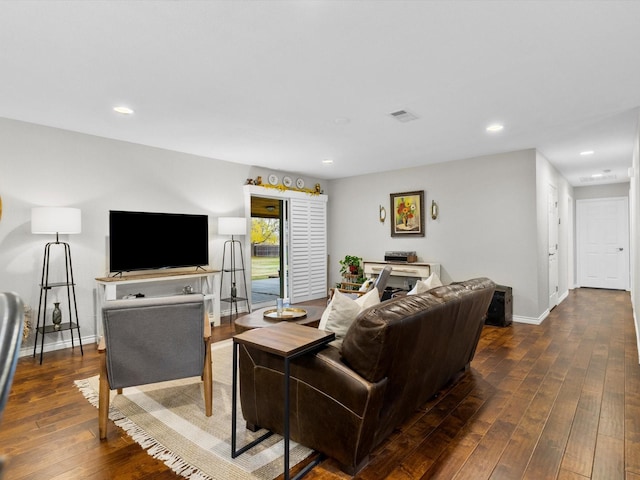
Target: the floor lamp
(233, 226)
(50, 220)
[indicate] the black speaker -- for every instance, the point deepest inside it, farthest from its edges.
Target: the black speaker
(500, 313)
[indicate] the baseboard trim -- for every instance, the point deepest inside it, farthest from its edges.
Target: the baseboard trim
(59, 345)
(232, 311)
(531, 320)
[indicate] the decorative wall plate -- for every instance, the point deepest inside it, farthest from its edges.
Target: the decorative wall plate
(300, 183)
(273, 179)
(287, 182)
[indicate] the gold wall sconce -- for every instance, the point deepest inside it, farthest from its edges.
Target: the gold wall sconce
(434, 210)
(383, 214)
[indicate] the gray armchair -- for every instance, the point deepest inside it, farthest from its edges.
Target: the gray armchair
(11, 325)
(152, 340)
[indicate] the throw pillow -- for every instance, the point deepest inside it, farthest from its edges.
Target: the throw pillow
(365, 285)
(425, 285)
(342, 311)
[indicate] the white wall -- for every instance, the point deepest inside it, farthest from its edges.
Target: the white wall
(634, 212)
(547, 175)
(42, 166)
(487, 225)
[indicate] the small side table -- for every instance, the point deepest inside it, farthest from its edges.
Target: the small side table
(286, 340)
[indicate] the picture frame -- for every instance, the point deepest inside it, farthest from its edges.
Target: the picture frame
(407, 214)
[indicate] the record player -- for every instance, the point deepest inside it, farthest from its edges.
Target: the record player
(404, 257)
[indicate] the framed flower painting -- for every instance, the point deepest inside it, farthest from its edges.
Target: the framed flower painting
(407, 214)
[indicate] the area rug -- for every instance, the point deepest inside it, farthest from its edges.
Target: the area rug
(167, 420)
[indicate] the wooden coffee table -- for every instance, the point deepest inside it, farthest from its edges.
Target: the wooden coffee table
(256, 318)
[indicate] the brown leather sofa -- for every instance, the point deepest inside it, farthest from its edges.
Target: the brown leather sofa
(394, 357)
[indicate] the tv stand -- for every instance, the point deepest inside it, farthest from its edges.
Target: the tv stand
(157, 284)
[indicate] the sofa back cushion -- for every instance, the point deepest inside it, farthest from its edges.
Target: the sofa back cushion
(416, 344)
(410, 326)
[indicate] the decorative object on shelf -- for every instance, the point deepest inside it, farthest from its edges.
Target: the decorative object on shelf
(233, 226)
(258, 180)
(282, 187)
(407, 214)
(300, 183)
(249, 181)
(287, 182)
(350, 264)
(56, 316)
(434, 210)
(26, 330)
(382, 214)
(187, 290)
(273, 179)
(50, 220)
(351, 271)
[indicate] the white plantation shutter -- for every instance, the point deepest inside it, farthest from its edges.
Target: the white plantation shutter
(307, 249)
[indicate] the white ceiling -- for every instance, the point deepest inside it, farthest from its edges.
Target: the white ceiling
(269, 83)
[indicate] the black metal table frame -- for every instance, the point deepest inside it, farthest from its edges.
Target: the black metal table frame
(234, 400)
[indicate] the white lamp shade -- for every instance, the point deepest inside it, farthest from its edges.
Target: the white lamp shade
(56, 220)
(232, 226)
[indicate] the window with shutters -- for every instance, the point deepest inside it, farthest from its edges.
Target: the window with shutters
(305, 246)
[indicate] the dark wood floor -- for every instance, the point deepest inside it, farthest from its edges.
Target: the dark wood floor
(559, 400)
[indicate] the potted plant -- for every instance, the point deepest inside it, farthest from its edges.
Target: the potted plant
(350, 265)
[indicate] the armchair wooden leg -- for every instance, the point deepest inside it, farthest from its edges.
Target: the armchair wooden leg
(103, 399)
(208, 378)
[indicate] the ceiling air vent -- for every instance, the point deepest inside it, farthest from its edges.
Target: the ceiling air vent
(404, 116)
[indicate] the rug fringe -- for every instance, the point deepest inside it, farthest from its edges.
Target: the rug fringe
(148, 443)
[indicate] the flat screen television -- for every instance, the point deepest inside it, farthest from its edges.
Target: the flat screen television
(146, 240)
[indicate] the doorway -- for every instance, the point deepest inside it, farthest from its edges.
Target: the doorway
(268, 267)
(602, 238)
(553, 217)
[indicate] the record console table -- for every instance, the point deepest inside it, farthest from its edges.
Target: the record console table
(402, 269)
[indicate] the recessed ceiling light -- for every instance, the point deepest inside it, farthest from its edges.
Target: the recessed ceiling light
(496, 127)
(587, 152)
(123, 110)
(327, 161)
(597, 175)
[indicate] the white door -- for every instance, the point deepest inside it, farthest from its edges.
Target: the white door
(552, 209)
(603, 243)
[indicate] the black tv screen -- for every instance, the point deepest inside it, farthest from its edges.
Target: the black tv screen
(145, 240)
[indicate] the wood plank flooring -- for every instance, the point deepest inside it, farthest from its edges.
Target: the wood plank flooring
(555, 401)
